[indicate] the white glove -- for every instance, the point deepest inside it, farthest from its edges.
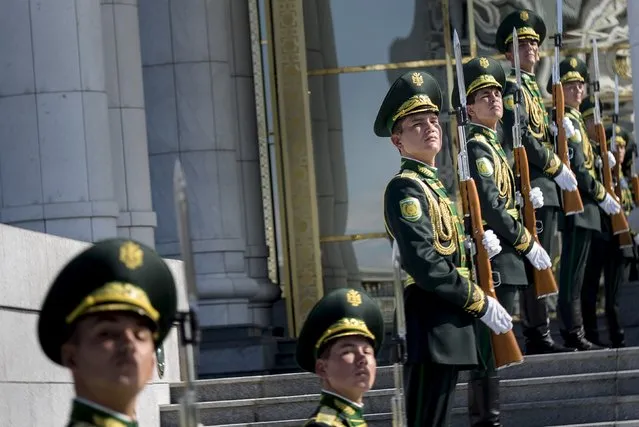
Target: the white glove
(611, 160)
(610, 205)
(536, 197)
(538, 257)
(570, 130)
(491, 243)
(636, 239)
(496, 317)
(566, 179)
(553, 128)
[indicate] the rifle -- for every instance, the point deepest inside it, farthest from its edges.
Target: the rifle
(625, 239)
(572, 203)
(619, 222)
(189, 326)
(397, 401)
(543, 280)
(505, 347)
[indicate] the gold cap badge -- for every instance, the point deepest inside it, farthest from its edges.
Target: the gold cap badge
(573, 62)
(523, 15)
(131, 255)
(354, 298)
(483, 62)
(417, 79)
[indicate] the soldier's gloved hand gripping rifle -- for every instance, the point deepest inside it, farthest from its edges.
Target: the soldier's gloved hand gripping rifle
(571, 200)
(619, 222)
(505, 347)
(397, 401)
(543, 280)
(189, 326)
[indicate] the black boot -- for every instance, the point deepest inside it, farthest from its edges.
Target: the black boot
(617, 339)
(543, 344)
(593, 337)
(577, 341)
(483, 402)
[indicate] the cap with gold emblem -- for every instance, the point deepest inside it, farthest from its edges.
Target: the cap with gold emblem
(112, 275)
(587, 107)
(571, 69)
(529, 26)
(341, 313)
(413, 92)
(480, 73)
(623, 137)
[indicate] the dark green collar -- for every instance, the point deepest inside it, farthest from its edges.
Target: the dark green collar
(420, 167)
(87, 413)
(348, 410)
(490, 134)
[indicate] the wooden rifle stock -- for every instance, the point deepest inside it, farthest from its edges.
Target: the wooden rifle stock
(571, 199)
(505, 347)
(635, 188)
(543, 280)
(619, 222)
(625, 239)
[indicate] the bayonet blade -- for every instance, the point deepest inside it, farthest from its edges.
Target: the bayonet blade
(616, 94)
(460, 71)
(184, 229)
(516, 58)
(560, 17)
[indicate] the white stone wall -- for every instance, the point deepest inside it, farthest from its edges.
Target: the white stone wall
(33, 390)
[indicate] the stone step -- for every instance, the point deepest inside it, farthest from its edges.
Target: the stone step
(604, 411)
(627, 423)
(266, 386)
(515, 391)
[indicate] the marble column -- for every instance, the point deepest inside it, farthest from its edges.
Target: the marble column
(200, 107)
(339, 266)
(125, 90)
(55, 167)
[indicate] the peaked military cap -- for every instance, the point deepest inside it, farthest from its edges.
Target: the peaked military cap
(113, 275)
(587, 107)
(343, 312)
(480, 73)
(413, 92)
(623, 137)
(529, 26)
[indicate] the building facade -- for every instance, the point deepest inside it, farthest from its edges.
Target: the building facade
(269, 106)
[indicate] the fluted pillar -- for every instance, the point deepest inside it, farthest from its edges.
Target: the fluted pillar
(55, 167)
(125, 90)
(200, 107)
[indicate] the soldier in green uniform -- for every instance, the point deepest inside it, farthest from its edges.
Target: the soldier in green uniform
(546, 170)
(605, 254)
(484, 80)
(578, 229)
(338, 342)
(104, 316)
(441, 302)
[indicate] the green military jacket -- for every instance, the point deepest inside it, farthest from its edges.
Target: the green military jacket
(496, 188)
(87, 414)
(582, 163)
(335, 411)
(544, 164)
(441, 302)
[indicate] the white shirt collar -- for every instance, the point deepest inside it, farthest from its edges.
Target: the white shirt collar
(358, 405)
(104, 409)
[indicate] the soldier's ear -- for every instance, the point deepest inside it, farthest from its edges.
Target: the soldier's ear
(320, 368)
(395, 140)
(68, 355)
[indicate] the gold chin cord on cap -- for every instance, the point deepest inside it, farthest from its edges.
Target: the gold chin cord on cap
(344, 327)
(116, 293)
